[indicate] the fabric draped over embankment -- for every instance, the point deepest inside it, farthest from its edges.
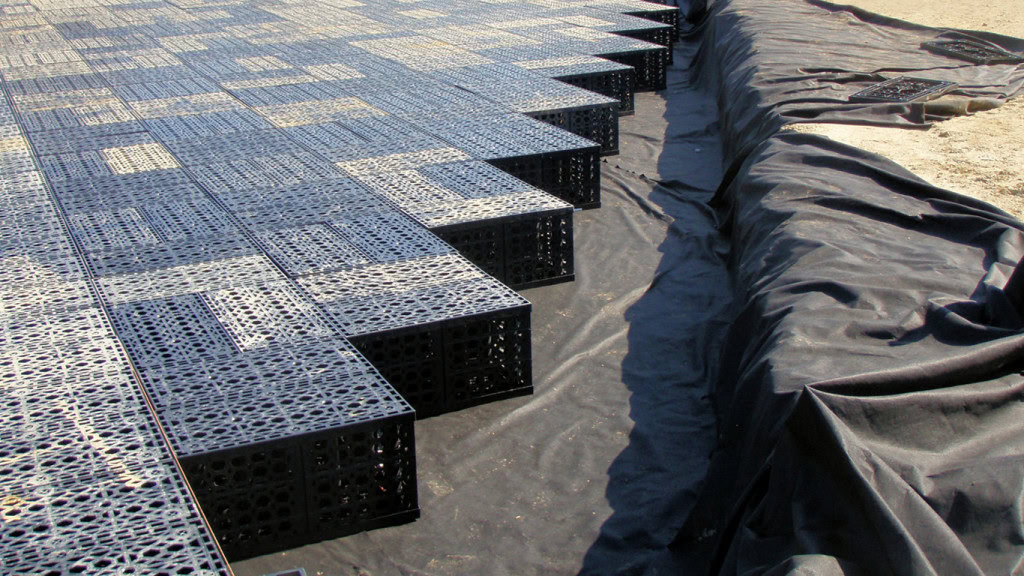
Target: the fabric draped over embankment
(870, 402)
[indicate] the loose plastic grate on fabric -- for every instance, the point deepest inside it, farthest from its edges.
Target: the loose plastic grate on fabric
(973, 51)
(902, 90)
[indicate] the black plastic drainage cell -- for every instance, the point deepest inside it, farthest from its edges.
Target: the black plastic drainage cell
(293, 445)
(902, 90)
(521, 250)
(649, 63)
(668, 15)
(974, 52)
(450, 365)
(611, 79)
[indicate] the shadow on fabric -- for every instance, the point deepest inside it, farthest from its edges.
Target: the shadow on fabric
(675, 331)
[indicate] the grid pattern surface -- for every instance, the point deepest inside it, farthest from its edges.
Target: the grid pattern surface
(223, 222)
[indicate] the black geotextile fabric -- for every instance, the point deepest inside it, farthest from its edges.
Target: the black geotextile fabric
(780, 62)
(871, 410)
(589, 473)
(870, 406)
(827, 327)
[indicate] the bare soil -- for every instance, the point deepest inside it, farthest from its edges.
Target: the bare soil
(981, 155)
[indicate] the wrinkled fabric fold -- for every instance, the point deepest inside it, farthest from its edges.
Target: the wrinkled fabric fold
(870, 404)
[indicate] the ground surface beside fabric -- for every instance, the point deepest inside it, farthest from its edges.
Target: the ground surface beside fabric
(980, 155)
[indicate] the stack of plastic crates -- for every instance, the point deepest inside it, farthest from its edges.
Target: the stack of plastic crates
(591, 73)
(576, 110)
(513, 231)
(648, 60)
(87, 482)
(224, 253)
(551, 159)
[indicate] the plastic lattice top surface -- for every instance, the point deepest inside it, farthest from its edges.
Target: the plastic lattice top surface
(200, 203)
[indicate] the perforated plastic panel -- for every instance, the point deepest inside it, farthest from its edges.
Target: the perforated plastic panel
(202, 202)
(387, 236)
(65, 433)
(973, 51)
(311, 249)
(251, 430)
(171, 330)
(903, 89)
(480, 358)
(170, 254)
(577, 110)
(109, 526)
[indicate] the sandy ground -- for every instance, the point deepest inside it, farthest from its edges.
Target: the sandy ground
(981, 155)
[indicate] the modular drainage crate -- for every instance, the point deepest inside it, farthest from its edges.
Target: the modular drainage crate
(902, 90)
(649, 62)
(599, 123)
(647, 30)
(288, 446)
(455, 364)
(591, 73)
(522, 251)
(571, 175)
(973, 51)
(558, 162)
(109, 525)
(579, 111)
(666, 15)
(441, 331)
(513, 231)
(605, 77)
